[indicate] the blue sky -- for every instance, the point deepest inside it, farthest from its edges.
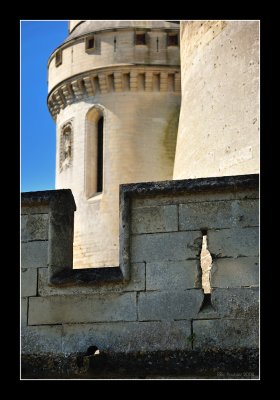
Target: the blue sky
(38, 40)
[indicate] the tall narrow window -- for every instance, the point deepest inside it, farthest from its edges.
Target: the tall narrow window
(100, 155)
(94, 152)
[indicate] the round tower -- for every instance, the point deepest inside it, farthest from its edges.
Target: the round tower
(219, 120)
(114, 92)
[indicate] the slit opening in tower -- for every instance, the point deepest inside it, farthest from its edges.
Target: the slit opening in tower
(100, 154)
(94, 152)
(206, 264)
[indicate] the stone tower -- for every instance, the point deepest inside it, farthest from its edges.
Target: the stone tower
(218, 131)
(114, 92)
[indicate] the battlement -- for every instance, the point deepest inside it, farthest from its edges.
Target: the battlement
(94, 46)
(160, 305)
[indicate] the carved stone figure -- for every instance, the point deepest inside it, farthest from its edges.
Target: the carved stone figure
(66, 147)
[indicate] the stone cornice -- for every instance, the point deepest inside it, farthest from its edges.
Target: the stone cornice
(129, 78)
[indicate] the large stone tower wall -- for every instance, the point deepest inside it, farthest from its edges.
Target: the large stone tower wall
(136, 89)
(219, 119)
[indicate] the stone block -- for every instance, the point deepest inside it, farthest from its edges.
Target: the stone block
(60, 239)
(28, 282)
(235, 272)
(182, 198)
(154, 219)
(236, 242)
(236, 302)
(225, 334)
(172, 275)
(74, 309)
(34, 254)
(137, 282)
(165, 246)
(23, 311)
(34, 227)
(169, 305)
(245, 212)
(127, 337)
(35, 208)
(205, 215)
(41, 339)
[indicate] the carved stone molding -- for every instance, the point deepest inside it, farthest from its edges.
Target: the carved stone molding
(113, 79)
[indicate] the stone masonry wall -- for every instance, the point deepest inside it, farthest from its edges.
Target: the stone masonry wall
(218, 132)
(158, 305)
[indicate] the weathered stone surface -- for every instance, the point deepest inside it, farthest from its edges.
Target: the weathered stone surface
(154, 219)
(74, 309)
(127, 336)
(207, 312)
(168, 364)
(218, 214)
(34, 208)
(220, 85)
(137, 282)
(236, 303)
(165, 246)
(161, 199)
(28, 282)
(245, 213)
(205, 215)
(34, 227)
(235, 242)
(235, 272)
(61, 227)
(169, 305)
(49, 199)
(86, 276)
(225, 334)
(34, 254)
(23, 311)
(41, 339)
(172, 275)
(220, 185)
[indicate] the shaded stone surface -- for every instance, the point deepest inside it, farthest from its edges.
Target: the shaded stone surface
(165, 246)
(92, 281)
(41, 339)
(28, 282)
(172, 275)
(235, 272)
(237, 364)
(34, 254)
(225, 334)
(83, 308)
(169, 304)
(126, 337)
(155, 219)
(235, 242)
(34, 227)
(236, 302)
